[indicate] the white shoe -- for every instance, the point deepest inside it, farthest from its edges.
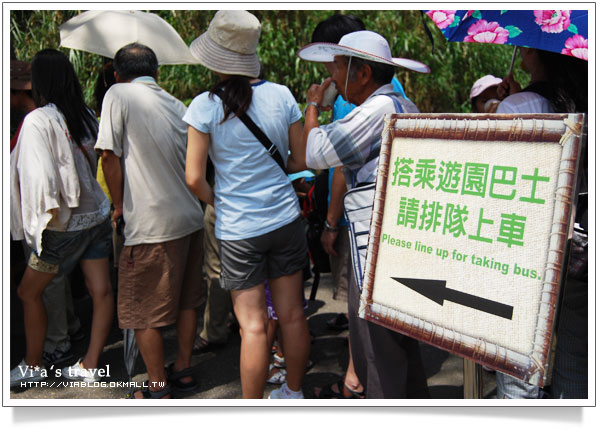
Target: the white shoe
(285, 393)
(24, 373)
(77, 372)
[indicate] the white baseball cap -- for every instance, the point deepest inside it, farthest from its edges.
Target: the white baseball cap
(483, 84)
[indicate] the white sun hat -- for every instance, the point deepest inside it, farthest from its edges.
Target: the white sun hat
(229, 44)
(364, 44)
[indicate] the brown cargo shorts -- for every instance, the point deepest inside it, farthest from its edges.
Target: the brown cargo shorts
(158, 280)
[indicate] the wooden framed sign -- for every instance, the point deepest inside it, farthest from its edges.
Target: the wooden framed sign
(469, 232)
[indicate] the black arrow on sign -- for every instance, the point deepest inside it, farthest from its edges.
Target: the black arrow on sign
(436, 290)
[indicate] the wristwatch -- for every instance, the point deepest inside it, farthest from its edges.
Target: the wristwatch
(315, 104)
(328, 227)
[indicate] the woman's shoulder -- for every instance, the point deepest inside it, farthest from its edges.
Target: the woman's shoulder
(204, 99)
(41, 115)
(525, 102)
(272, 87)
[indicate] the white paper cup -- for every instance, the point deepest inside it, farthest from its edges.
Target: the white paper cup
(330, 95)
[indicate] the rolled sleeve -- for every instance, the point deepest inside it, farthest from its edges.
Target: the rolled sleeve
(112, 123)
(320, 153)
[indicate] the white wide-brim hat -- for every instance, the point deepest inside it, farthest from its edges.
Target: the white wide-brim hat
(364, 44)
(229, 44)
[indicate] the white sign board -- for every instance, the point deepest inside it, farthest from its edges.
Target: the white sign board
(469, 231)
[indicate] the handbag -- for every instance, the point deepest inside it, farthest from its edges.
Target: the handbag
(258, 133)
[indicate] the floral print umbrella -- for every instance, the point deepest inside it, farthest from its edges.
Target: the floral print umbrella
(562, 31)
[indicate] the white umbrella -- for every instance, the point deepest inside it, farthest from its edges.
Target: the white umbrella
(104, 32)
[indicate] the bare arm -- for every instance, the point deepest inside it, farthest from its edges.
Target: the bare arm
(297, 160)
(311, 119)
(113, 174)
(195, 165)
(334, 212)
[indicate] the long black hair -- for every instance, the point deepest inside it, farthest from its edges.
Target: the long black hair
(566, 85)
(236, 93)
(53, 80)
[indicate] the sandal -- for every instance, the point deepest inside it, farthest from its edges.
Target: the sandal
(279, 362)
(148, 394)
(278, 377)
(175, 378)
(326, 392)
(202, 345)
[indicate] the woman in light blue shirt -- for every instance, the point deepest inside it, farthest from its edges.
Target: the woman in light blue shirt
(258, 226)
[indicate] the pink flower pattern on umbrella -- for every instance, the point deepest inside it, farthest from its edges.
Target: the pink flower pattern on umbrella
(549, 30)
(576, 46)
(553, 21)
(442, 18)
(486, 32)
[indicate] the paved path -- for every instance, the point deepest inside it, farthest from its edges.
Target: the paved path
(218, 370)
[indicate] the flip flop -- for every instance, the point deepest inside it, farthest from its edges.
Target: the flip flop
(328, 393)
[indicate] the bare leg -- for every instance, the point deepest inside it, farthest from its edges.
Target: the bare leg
(186, 332)
(150, 343)
(251, 311)
(287, 300)
(97, 279)
(271, 332)
(36, 322)
(351, 379)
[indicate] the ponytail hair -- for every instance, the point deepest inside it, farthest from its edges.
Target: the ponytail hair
(237, 93)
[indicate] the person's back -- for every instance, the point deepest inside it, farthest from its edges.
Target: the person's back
(252, 194)
(142, 124)
(143, 142)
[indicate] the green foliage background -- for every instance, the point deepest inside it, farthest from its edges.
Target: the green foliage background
(454, 66)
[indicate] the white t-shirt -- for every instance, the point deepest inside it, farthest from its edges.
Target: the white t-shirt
(253, 196)
(141, 123)
(53, 184)
(525, 102)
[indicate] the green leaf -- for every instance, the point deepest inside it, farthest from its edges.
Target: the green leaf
(502, 12)
(476, 14)
(513, 31)
(456, 21)
(573, 29)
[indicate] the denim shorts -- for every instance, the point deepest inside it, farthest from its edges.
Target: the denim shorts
(248, 262)
(62, 250)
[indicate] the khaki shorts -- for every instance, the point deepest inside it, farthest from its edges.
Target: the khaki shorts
(158, 280)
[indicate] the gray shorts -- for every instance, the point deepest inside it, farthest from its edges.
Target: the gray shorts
(248, 262)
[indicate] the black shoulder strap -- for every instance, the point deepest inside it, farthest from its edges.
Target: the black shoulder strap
(258, 133)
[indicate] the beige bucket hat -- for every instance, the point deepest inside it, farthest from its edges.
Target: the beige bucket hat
(229, 44)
